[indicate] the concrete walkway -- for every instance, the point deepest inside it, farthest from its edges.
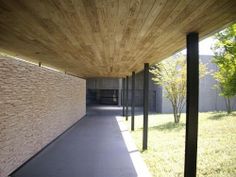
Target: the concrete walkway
(97, 146)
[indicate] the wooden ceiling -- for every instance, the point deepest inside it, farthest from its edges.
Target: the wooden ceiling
(105, 38)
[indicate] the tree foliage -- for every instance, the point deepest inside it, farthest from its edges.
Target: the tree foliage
(171, 74)
(225, 58)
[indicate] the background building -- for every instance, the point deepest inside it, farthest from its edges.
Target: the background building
(109, 91)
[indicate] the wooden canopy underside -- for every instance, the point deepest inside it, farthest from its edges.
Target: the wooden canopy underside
(105, 38)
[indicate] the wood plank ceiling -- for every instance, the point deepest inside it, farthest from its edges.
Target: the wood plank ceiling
(105, 38)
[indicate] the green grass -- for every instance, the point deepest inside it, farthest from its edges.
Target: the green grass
(166, 144)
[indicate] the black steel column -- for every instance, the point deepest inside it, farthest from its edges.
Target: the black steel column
(123, 96)
(133, 101)
(192, 105)
(145, 105)
(127, 97)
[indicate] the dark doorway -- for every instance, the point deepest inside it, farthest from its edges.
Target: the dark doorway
(102, 96)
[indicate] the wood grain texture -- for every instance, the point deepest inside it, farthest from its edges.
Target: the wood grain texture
(105, 38)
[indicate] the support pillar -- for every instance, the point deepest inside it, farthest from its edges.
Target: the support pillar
(119, 92)
(123, 96)
(145, 105)
(133, 101)
(192, 105)
(127, 97)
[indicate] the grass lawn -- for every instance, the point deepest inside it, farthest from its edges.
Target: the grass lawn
(166, 144)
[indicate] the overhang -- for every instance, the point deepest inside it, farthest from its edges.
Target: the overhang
(106, 38)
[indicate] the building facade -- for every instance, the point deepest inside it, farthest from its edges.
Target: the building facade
(109, 91)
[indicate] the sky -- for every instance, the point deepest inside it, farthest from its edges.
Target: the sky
(204, 46)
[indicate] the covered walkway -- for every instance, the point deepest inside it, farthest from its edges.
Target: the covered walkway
(93, 147)
(91, 39)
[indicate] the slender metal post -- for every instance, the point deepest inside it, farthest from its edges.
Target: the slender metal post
(120, 92)
(192, 105)
(127, 97)
(123, 96)
(145, 105)
(133, 101)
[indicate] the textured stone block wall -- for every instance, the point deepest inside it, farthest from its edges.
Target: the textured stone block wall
(36, 105)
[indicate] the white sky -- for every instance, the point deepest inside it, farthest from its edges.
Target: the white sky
(204, 46)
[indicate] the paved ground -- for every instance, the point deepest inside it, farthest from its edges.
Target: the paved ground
(94, 147)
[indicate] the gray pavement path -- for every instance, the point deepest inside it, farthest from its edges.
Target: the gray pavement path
(93, 147)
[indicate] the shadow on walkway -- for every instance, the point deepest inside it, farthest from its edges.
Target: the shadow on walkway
(93, 147)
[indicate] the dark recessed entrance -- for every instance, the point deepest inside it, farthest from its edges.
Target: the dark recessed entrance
(102, 96)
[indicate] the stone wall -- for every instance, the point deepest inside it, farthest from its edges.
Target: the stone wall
(36, 105)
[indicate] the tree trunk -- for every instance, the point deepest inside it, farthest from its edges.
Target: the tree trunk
(176, 114)
(178, 117)
(228, 105)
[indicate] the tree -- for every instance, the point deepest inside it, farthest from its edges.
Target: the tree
(225, 58)
(171, 75)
